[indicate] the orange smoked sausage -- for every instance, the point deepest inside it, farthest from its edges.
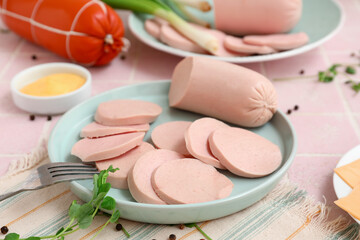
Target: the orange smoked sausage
(85, 31)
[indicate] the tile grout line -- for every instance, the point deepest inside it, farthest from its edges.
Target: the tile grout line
(12, 57)
(319, 155)
(348, 112)
(136, 61)
(44, 136)
(263, 69)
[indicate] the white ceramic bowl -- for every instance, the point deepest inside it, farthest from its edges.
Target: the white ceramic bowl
(49, 105)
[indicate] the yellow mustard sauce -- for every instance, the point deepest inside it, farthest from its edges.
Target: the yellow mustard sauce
(54, 85)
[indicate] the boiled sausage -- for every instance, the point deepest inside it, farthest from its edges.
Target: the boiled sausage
(126, 111)
(139, 179)
(97, 149)
(188, 180)
(245, 153)
(223, 90)
(125, 163)
(236, 44)
(170, 136)
(278, 41)
(196, 138)
(95, 130)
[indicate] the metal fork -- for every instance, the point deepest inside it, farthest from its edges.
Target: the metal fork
(52, 173)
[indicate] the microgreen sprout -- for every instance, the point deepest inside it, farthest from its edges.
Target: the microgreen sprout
(329, 74)
(350, 70)
(191, 225)
(82, 215)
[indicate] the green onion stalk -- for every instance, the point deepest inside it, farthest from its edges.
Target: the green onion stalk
(203, 6)
(191, 17)
(159, 9)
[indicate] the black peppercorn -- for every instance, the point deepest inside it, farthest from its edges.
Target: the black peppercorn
(352, 54)
(181, 226)
(296, 107)
(34, 57)
(118, 227)
(172, 237)
(288, 112)
(302, 72)
(49, 118)
(4, 230)
(32, 117)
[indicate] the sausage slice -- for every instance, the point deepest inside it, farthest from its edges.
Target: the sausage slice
(95, 130)
(139, 179)
(97, 149)
(170, 136)
(125, 163)
(236, 44)
(278, 41)
(126, 112)
(196, 138)
(189, 180)
(175, 39)
(245, 153)
(153, 28)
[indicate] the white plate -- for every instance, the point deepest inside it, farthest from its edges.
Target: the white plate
(321, 19)
(341, 188)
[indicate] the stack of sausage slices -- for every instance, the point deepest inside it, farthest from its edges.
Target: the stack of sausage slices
(182, 167)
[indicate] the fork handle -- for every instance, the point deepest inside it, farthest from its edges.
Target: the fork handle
(10, 194)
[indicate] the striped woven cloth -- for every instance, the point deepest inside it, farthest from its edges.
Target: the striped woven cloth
(285, 213)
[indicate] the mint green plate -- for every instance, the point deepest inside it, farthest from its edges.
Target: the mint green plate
(245, 192)
(321, 19)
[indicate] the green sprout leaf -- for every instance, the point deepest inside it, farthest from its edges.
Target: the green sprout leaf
(356, 87)
(32, 238)
(333, 68)
(115, 216)
(350, 70)
(112, 170)
(84, 211)
(105, 188)
(108, 203)
(99, 198)
(12, 236)
(59, 231)
(73, 210)
(85, 222)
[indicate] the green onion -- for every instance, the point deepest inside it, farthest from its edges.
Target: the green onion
(159, 9)
(198, 4)
(191, 17)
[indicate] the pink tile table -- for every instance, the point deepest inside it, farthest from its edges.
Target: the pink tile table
(327, 122)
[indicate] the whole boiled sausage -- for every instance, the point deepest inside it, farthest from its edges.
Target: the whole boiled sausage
(242, 17)
(222, 90)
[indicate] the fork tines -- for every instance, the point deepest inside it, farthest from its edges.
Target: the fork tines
(69, 169)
